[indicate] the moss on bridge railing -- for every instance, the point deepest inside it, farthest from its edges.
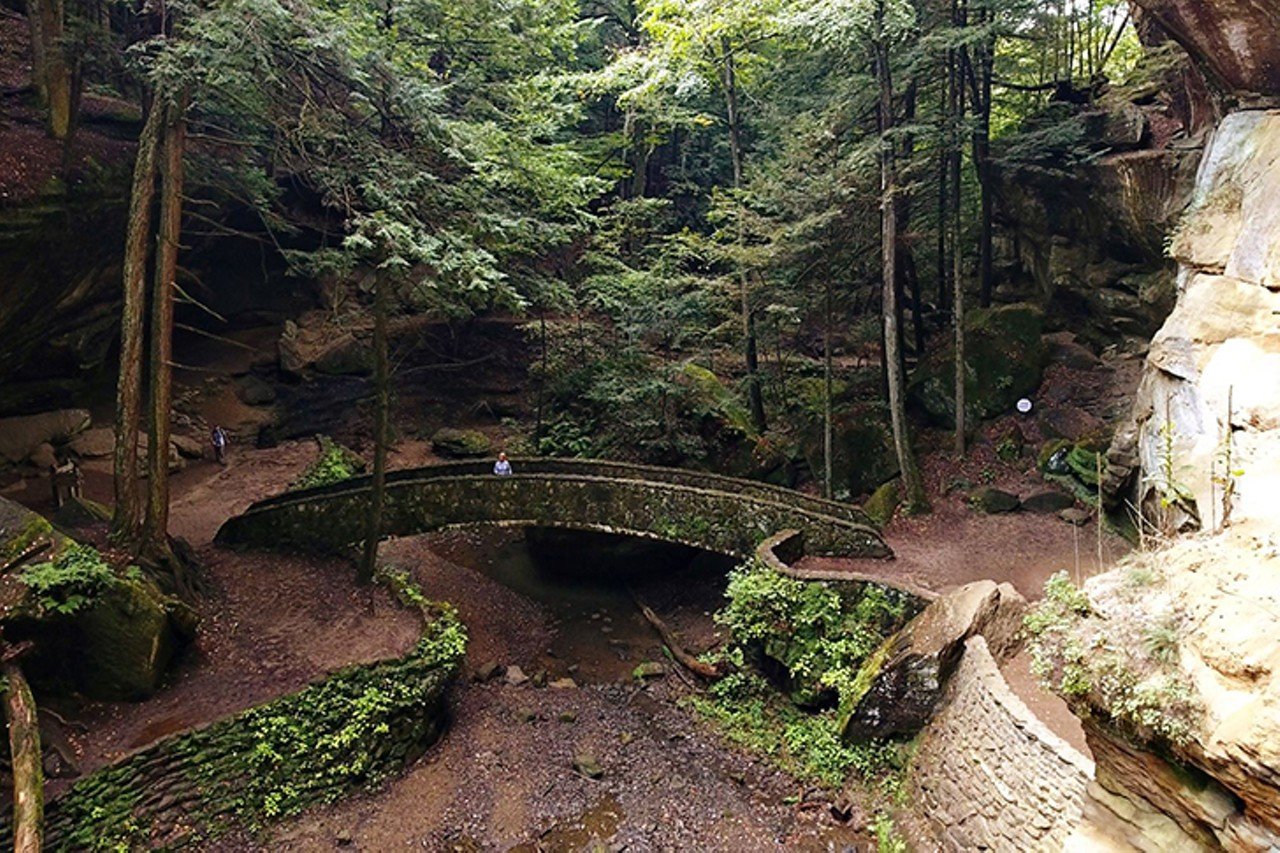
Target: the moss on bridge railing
(352, 729)
(331, 519)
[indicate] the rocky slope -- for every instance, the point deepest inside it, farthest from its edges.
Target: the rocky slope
(1172, 658)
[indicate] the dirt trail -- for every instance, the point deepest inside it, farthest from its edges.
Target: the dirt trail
(271, 624)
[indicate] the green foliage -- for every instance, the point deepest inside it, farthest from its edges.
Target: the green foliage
(819, 634)
(71, 581)
(752, 714)
(353, 729)
(887, 838)
(335, 464)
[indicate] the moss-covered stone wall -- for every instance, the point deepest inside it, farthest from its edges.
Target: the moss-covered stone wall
(703, 510)
(351, 729)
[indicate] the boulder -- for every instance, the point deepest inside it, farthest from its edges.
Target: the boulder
(96, 443)
(1004, 361)
(882, 504)
(863, 455)
(21, 436)
(461, 443)
(44, 456)
(1045, 503)
(188, 447)
(993, 501)
(253, 391)
(128, 639)
(898, 686)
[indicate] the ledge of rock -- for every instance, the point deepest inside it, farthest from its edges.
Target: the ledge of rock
(899, 686)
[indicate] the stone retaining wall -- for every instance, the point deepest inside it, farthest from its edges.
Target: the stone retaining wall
(988, 774)
(352, 729)
(702, 510)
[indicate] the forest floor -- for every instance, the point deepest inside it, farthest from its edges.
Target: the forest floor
(503, 776)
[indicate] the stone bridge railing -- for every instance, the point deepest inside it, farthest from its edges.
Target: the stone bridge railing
(708, 511)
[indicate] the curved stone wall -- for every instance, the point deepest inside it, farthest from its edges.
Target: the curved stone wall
(349, 730)
(988, 774)
(702, 510)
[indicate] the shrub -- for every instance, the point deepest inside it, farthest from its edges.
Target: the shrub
(71, 581)
(335, 464)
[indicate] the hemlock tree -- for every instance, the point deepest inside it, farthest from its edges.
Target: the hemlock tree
(872, 28)
(693, 45)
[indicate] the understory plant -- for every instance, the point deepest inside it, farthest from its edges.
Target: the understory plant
(819, 635)
(69, 582)
(335, 464)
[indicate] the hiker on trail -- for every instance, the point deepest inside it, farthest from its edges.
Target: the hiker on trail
(219, 439)
(502, 467)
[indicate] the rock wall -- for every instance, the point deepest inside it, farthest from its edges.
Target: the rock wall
(1233, 41)
(706, 511)
(1088, 244)
(988, 773)
(1205, 430)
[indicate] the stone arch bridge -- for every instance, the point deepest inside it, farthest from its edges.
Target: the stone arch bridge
(708, 511)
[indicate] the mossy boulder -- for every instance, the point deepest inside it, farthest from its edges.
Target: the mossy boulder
(1005, 357)
(127, 639)
(863, 455)
(461, 443)
(1052, 456)
(883, 503)
(993, 501)
(898, 686)
(710, 400)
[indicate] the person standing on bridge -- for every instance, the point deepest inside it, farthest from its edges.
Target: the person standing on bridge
(502, 467)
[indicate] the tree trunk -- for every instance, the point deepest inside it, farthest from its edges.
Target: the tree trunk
(827, 414)
(166, 273)
(913, 487)
(50, 70)
(755, 397)
(126, 524)
(956, 108)
(28, 769)
(981, 81)
(381, 417)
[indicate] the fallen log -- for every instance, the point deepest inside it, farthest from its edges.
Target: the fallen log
(28, 771)
(682, 657)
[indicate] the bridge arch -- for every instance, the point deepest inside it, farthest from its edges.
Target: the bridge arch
(708, 511)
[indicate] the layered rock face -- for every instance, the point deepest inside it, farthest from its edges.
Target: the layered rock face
(1204, 441)
(1180, 692)
(1233, 41)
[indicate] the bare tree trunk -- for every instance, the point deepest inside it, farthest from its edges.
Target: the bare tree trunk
(28, 770)
(126, 524)
(166, 273)
(956, 107)
(52, 75)
(827, 414)
(913, 486)
(755, 398)
(381, 417)
(980, 79)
